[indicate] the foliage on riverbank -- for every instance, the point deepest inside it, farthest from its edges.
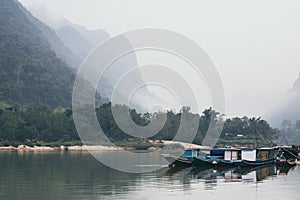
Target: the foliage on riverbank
(41, 125)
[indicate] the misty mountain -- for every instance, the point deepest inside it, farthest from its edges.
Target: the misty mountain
(296, 85)
(30, 70)
(74, 41)
(79, 39)
(58, 46)
(82, 41)
(289, 109)
(76, 38)
(94, 37)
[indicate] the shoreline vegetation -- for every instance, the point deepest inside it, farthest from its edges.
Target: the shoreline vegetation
(40, 125)
(156, 145)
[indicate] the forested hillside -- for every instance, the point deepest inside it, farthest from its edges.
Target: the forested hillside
(36, 86)
(30, 71)
(56, 44)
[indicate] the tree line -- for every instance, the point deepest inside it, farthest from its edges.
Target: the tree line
(41, 125)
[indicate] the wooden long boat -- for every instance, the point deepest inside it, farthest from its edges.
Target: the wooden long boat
(230, 163)
(286, 162)
(237, 157)
(289, 152)
(258, 163)
(204, 162)
(259, 157)
(219, 158)
(177, 161)
(187, 159)
(225, 157)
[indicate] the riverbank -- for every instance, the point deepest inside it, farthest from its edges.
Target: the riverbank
(182, 144)
(62, 148)
(154, 145)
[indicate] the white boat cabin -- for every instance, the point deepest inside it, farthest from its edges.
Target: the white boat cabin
(232, 154)
(249, 154)
(261, 154)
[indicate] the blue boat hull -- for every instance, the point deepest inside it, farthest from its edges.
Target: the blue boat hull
(199, 162)
(258, 163)
(231, 163)
(204, 162)
(180, 162)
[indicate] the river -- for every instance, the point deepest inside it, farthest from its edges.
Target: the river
(78, 175)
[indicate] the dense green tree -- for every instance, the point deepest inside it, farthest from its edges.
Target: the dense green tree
(30, 72)
(41, 124)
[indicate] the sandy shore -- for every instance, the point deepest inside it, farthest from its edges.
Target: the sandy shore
(96, 148)
(183, 144)
(61, 148)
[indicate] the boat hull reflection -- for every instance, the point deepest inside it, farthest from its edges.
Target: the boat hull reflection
(232, 174)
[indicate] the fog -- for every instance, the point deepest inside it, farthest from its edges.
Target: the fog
(255, 45)
(288, 108)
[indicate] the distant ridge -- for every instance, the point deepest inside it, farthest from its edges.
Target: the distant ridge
(296, 85)
(289, 109)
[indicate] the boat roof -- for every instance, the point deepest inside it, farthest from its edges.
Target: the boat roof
(266, 148)
(235, 149)
(190, 149)
(262, 148)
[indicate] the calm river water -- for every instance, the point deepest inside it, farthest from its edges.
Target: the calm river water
(72, 175)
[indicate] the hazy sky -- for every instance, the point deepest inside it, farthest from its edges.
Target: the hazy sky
(254, 44)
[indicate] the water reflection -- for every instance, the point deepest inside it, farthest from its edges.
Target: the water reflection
(211, 176)
(59, 176)
(73, 175)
